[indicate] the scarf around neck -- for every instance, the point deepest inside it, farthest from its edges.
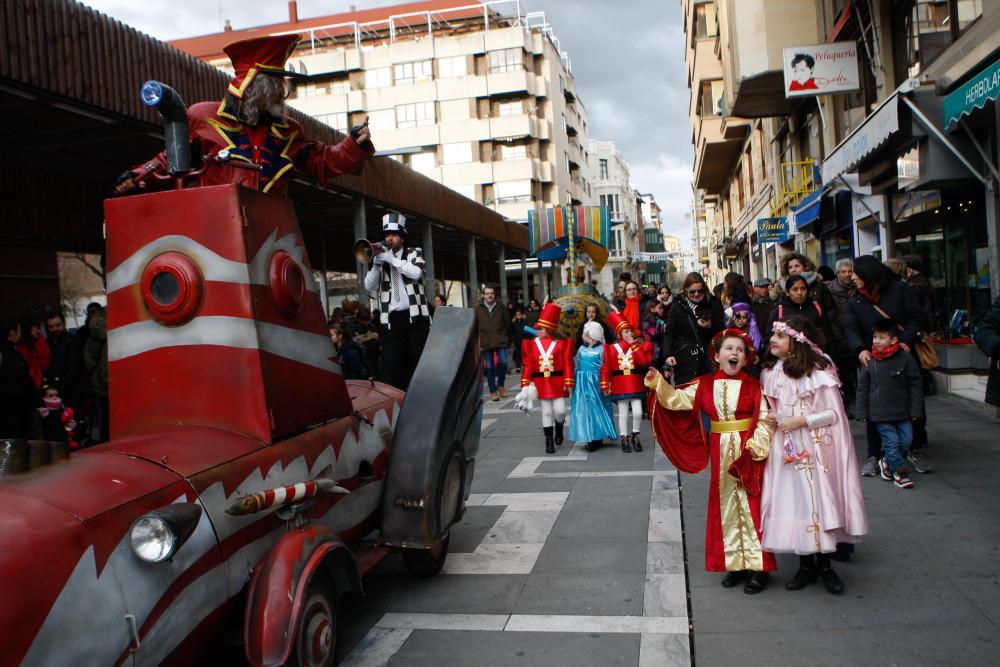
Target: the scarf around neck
(886, 352)
(631, 311)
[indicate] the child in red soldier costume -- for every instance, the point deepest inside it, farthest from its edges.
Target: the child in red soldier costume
(625, 363)
(737, 443)
(547, 363)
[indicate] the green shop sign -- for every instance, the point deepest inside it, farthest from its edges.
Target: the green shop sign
(974, 94)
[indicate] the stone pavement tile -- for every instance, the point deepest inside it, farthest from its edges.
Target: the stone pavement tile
(664, 595)
(664, 651)
(664, 525)
(937, 527)
(984, 591)
(615, 484)
(474, 526)
(626, 500)
(565, 557)
(665, 558)
(521, 527)
(609, 594)
(966, 644)
(594, 526)
(459, 594)
(433, 648)
(534, 484)
(626, 462)
(927, 496)
(664, 499)
(495, 558)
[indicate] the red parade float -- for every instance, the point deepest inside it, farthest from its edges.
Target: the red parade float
(244, 473)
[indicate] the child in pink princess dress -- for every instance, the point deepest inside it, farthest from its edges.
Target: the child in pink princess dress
(811, 498)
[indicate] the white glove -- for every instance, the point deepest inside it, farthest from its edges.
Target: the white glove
(525, 400)
(384, 257)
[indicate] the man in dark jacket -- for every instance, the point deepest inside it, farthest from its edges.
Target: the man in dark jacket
(761, 303)
(494, 337)
(842, 289)
(18, 395)
(987, 337)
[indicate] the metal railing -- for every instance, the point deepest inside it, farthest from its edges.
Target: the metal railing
(798, 181)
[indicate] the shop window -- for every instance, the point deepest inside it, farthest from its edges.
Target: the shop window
(380, 77)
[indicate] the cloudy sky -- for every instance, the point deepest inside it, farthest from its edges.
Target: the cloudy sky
(627, 58)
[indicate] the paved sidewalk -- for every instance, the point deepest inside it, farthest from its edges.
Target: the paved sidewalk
(922, 589)
(567, 559)
(579, 559)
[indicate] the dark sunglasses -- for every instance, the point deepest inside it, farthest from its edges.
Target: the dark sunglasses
(692, 292)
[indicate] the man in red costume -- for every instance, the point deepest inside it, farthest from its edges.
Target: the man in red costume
(625, 363)
(247, 139)
(547, 363)
(738, 442)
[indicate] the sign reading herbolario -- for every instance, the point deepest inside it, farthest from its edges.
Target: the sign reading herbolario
(821, 69)
(772, 230)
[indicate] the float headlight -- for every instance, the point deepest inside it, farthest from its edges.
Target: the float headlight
(155, 537)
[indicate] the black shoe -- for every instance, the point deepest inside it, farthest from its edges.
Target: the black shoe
(626, 445)
(831, 581)
(593, 445)
(559, 433)
(756, 583)
(802, 578)
(733, 579)
(636, 445)
(550, 447)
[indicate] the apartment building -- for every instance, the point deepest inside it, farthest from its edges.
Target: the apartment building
(613, 189)
(903, 162)
(478, 97)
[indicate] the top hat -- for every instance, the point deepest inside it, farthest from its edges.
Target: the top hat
(395, 223)
(549, 317)
(260, 54)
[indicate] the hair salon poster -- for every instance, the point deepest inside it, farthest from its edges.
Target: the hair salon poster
(821, 69)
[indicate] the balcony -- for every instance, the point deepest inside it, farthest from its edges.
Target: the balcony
(517, 210)
(515, 170)
(473, 129)
(425, 135)
(503, 83)
(760, 30)
(512, 127)
(715, 155)
(461, 87)
(468, 173)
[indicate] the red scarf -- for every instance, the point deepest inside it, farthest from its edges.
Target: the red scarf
(886, 352)
(632, 312)
(873, 295)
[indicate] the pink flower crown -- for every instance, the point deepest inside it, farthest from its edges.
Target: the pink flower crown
(781, 327)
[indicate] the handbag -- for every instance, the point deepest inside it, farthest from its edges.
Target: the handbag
(927, 354)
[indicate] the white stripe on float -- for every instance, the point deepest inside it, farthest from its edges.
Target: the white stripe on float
(214, 267)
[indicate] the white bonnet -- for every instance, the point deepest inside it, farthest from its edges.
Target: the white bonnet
(594, 330)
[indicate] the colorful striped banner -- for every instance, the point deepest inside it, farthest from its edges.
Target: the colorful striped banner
(548, 225)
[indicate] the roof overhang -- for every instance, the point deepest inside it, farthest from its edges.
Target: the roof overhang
(716, 164)
(762, 96)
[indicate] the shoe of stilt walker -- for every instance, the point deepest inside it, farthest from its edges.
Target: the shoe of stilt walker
(550, 446)
(559, 433)
(626, 445)
(636, 445)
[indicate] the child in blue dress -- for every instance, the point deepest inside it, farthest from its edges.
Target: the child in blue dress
(591, 420)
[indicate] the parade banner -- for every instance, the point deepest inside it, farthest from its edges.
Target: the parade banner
(821, 69)
(549, 225)
(772, 230)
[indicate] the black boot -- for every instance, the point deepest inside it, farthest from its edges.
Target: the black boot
(756, 583)
(593, 445)
(807, 574)
(559, 433)
(550, 446)
(626, 445)
(734, 578)
(636, 445)
(826, 574)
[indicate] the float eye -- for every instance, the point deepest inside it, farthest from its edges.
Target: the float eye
(288, 283)
(172, 288)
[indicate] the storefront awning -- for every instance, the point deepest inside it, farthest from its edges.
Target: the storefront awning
(868, 136)
(807, 212)
(974, 94)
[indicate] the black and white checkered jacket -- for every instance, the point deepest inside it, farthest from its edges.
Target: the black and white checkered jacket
(414, 288)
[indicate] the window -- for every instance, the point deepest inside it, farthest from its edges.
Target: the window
(413, 72)
(450, 67)
(510, 108)
(379, 77)
(507, 60)
(337, 121)
(565, 124)
(567, 161)
(414, 115)
(423, 161)
(382, 119)
(340, 87)
(705, 25)
(458, 153)
(465, 190)
(513, 152)
(711, 98)
(512, 192)
(603, 162)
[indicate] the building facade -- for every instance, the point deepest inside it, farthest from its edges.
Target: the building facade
(612, 188)
(902, 163)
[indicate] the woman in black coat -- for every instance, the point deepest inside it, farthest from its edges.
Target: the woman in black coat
(694, 319)
(879, 288)
(796, 302)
